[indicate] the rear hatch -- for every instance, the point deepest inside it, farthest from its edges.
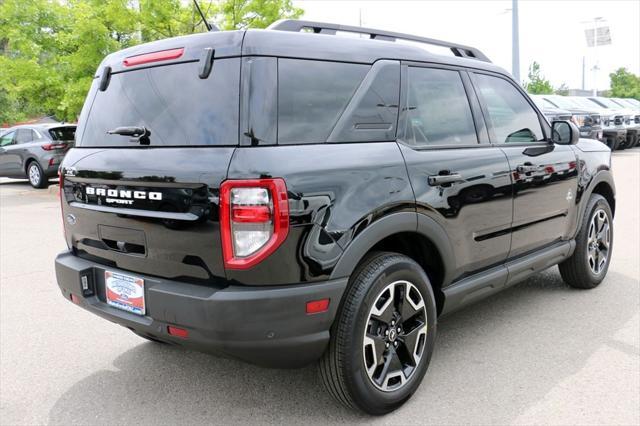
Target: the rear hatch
(148, 202)
(63, 138)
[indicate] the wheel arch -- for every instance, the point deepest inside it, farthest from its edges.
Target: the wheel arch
(28, 161)
(602, 184)
(415, 235)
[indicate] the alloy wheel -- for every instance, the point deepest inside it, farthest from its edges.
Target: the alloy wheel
(34, 175)
(395, 336)
(599, 241)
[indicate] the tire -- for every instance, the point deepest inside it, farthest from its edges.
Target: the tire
(585, 269)
(36, 176)
(349, 366)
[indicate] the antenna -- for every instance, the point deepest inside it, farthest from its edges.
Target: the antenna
(204, 18)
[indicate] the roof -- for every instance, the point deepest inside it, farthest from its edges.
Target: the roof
(42, 126)
(303, 45)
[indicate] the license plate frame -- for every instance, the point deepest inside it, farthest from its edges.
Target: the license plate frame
(125, 292)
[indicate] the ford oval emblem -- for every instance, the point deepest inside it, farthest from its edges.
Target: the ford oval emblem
(71, 219)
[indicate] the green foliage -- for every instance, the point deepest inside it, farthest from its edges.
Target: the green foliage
(624, 84)
(50, 49)
(240, 14)
(537, 84)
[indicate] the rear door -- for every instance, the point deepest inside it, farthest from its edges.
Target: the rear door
(153, 208)
(459, 179)
(544, 175)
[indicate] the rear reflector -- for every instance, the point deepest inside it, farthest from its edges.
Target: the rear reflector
(75, 299)
(163, 55)
(317, 306)
(178, 332)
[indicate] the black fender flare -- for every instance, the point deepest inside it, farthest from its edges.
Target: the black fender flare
(389, 225)
(602, 176)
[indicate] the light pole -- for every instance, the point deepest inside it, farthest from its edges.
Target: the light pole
(515, 42)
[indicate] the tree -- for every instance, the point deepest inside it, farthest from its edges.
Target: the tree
(50, 49)
(625, 84)
(537, 84)
(241, 14)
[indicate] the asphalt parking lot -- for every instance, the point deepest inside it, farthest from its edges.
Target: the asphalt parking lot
(538, 353)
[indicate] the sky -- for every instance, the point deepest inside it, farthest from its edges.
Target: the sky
(552, 33)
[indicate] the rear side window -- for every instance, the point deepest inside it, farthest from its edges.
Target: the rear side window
(24, 136)
(62, 133)
(172, 102)
(312, 96)
(438, 110)
(511, 117)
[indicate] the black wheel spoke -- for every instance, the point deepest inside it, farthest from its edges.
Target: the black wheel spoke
(391, 364)
(379, 346)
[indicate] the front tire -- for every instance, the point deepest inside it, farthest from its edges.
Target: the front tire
(36, 176)
(383, 337)
(589, 264)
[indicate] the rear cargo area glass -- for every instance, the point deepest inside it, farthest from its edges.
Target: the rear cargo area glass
(172, 102)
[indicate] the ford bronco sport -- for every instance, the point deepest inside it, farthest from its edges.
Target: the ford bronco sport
(288, 195)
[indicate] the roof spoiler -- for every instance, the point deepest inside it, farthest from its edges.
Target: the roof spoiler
(295, 25)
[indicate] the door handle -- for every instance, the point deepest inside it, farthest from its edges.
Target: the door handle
(527, 168)
(437, 180)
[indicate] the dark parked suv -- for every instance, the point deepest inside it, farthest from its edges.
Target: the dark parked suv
(288, 195)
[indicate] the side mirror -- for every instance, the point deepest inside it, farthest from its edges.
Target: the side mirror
(564, 133)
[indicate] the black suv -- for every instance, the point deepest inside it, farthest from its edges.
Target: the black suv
(289, 195)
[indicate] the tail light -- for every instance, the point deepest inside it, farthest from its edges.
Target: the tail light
(145, 58)
(52, 146)
(254, 220)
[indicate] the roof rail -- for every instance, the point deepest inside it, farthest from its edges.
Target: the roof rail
(295, 25)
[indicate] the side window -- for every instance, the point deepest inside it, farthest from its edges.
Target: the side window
(24, 136)
(511, 117)
(7, 139)
(438, 110)
(312, 96)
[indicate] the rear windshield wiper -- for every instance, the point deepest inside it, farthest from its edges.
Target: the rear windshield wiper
(138, 134)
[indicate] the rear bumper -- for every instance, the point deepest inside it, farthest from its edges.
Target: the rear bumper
(265, 326)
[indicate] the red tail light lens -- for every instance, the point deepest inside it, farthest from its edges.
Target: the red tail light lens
(254, 220)
(163, 55)
(52, 146)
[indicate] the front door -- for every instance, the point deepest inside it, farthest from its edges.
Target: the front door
(459, 179)
(544, 175)
(9, 161)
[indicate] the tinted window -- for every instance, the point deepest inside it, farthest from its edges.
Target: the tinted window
(7, 139)
(311, 97)
(24, 136)
(438, 111)
(511, 117)
(172, 102)
(63, 133)
(372, 112)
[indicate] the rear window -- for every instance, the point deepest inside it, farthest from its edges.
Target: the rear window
(172, 102)
(63, 133)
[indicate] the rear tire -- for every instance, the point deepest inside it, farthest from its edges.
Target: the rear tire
(588, 265)
(36, 176)
(383, 337)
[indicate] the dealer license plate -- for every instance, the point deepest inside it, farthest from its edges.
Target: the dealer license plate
(125, 292)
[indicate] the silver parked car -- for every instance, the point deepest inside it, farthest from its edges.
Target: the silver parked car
(34, 151)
